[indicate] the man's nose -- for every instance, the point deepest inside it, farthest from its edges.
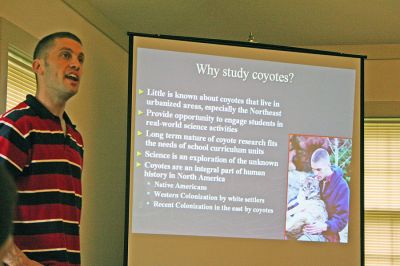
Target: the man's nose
(75, 63)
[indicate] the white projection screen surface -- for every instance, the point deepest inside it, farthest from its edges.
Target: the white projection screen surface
(242, 154)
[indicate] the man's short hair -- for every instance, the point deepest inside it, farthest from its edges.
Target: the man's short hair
(46, 42)
(7, 205)
(320, 154)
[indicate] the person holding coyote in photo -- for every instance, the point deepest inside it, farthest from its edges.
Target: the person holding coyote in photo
(335, 192)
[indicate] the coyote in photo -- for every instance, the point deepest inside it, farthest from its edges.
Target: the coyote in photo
(307, 208)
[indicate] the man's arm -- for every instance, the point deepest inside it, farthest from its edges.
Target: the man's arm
(14, 155)
(4, 247)
(8, 198)
(15, 257)
(340, 218)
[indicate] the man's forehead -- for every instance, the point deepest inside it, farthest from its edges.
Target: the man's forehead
(319, 164)
(67, 44)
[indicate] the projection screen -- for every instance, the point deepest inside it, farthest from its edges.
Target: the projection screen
(242, 154)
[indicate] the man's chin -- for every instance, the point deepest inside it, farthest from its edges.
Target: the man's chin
(68, 94)
(72, 86)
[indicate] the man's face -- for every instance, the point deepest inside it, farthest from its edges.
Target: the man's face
(321, 169)
(63, 68)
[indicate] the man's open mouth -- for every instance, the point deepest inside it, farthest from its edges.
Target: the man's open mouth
(72, 77)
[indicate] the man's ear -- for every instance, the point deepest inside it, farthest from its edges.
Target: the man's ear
(37, 66)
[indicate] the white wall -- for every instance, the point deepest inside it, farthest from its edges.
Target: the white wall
(99, 110)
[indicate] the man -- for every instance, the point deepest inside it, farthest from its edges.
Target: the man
(335, 193)
(42, 149)
(7, 206)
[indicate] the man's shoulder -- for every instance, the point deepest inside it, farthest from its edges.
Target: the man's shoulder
(19, 118)
(340, 182)
(337, 171)
(15, 114)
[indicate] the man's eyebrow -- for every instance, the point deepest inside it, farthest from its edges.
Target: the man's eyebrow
(65, 48)
(70, 50)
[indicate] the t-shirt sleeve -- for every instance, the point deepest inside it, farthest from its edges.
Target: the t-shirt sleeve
(14, 147)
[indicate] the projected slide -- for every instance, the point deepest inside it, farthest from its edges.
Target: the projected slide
(245, 148)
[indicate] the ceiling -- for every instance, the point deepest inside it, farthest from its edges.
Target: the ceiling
(281, 22)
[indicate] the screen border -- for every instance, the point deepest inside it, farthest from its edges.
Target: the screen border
(131, 36)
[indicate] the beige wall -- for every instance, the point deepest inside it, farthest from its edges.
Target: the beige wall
(99, 110)
(382, 77)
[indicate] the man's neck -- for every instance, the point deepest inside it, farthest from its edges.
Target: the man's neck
(56, 107)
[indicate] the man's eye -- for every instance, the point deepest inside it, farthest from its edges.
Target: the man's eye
(66, 55)
(81, 59)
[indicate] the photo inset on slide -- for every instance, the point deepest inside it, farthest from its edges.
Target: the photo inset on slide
(319, 173)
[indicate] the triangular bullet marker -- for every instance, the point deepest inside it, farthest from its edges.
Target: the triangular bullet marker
(138, 154)
(141, 92)
(138, 164)
(139, 133)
